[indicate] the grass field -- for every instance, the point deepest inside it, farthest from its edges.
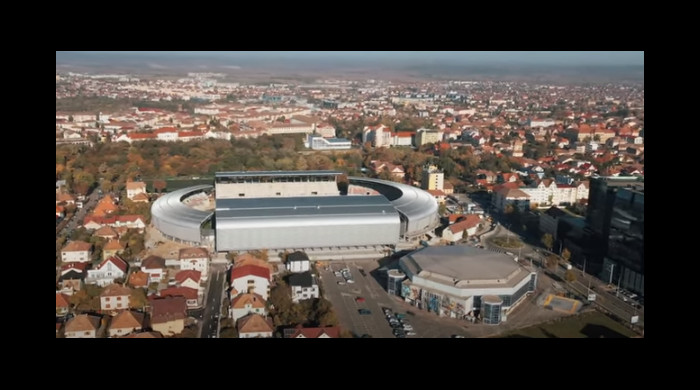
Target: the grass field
(586, 325)
(506, 242)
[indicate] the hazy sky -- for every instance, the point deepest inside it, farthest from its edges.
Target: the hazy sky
(460, 57)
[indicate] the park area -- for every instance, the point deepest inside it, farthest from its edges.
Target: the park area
(592, 324)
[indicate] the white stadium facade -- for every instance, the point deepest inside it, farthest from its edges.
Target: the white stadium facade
(295, 210)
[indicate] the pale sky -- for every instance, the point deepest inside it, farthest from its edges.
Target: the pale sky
(457, 57)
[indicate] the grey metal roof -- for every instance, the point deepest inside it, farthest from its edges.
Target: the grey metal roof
(461, 262)
(417, 205)
(276, 173)
(174, 218)
(310, 206)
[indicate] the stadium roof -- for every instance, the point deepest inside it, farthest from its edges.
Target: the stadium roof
(275, 208)
(303, 211)
(173, 217)
(276, 173)
(417, 205)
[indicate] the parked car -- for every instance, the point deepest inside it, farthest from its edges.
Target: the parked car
(359, 300)
(364, 312)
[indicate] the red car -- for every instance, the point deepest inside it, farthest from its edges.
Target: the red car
(359, 300)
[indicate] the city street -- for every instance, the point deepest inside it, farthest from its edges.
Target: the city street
(79, 215)
(212, 301)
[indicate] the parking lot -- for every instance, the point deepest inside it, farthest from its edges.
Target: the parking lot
(425, 325)
(344, 299)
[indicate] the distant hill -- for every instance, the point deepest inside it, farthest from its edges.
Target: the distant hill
(265, 65)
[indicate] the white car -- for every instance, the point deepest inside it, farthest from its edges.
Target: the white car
(341, 283)
(351, 281)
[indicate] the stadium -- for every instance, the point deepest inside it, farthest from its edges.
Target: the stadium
(294, 210)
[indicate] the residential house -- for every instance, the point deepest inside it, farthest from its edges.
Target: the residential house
(154, 266)
(112, 248)
(132, 222)
(189, 278)
(190, 294)
(304, 286)
(254, 325)
(549, 221)
(138, 279)
(134, 188)
(299, 332)
(140, 198)
(448, 188)
(65, 198)
(168, 315)
(464, 224)
(378, 135)
(107, 271)
(395, 171)
(251, 278)
(62, 304)
(427, 136)
(76, 251)
(82, 326)
(582, 190)
(438, 195)
(144, 335)
(106, 206)
(114, 298)
(195, 259)
(72, 277)
(511, 197)
(402, 138)
(244, 304)
(248, 259)
(106, 232)
(126, 322)
(298, 262)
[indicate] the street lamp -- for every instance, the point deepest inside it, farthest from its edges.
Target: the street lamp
(612, 267)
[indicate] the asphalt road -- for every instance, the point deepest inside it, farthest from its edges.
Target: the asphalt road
(212, 302)
(343, 298)
(77, 219)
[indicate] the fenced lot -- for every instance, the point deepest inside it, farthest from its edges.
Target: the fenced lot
(586, 325)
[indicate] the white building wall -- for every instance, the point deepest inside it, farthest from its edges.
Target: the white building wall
(81, 335)
(298, 293)
(299, 266)
(250, 335)
(75, 256)
(242, 312)
(199, 264)
(260, 285)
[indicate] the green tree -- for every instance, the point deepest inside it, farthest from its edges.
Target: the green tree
(548, 241)
(570, 275)
(138, 299)
(159, 185)
(566, 255)
(442, 209)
